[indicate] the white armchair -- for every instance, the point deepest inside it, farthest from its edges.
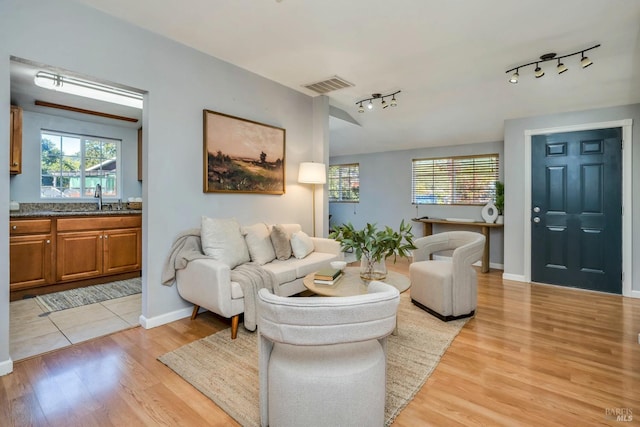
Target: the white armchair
(446, 289)
(322, 360)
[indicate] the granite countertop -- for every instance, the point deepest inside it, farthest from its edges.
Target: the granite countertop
(31, 210)
(54, 213)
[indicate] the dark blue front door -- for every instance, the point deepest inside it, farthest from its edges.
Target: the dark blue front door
(576, 229)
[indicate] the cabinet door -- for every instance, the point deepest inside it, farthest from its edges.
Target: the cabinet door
(79, 255)
(15, 139)
(122, 250)
(29, 261)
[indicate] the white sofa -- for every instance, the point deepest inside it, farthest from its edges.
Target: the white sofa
(206, 282)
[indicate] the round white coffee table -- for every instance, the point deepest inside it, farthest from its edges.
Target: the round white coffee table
(351, 284)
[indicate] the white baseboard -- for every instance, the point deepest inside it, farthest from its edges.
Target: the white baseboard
(6, 367)
(163, 319)
(634, 294)
(514, 277)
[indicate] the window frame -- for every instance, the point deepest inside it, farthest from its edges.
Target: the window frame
(452, 196)
(84, 138)
(341, 191)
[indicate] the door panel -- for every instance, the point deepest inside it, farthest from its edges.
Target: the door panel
(576, 233)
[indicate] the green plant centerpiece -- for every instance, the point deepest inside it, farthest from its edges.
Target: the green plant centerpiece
(373, 246)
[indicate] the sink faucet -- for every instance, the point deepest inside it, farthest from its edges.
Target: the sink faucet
(98, 195)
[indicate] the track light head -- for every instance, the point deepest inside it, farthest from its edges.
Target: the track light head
(370, 106)
(514, 78)
(585, 61)
(561, 67)
(394, 103)
(361, 108)
(384, 103)
(539, 72)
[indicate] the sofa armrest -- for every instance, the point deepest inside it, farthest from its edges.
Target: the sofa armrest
(329, 246)
(207, 283)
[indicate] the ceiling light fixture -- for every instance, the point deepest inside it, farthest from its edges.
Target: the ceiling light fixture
(381, 97)
(561, 68)
(88, 89)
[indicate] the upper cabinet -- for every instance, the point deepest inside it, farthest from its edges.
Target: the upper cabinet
(15, 140)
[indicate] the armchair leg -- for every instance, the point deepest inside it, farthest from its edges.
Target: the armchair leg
(195, 311)
(235, 320)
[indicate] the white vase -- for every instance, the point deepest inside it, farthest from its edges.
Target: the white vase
(490, 213)
(500, 219)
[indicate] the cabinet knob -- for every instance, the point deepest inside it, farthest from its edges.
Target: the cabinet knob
(106, 237)
(15, 227)
(48, 241)
(14, 164)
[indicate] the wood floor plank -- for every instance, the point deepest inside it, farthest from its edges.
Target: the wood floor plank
(533, 355)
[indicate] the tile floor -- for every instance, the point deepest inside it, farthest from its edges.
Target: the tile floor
(35, 332)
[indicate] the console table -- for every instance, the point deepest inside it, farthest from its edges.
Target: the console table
(484, 228)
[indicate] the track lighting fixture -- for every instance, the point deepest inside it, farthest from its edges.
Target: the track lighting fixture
(381, 97)
(561, 68)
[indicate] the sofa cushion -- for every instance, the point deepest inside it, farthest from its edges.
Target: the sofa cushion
(223, 241)
(285, 271)
(259, 243)
(301, 244)
(313, 262)
(281, 241)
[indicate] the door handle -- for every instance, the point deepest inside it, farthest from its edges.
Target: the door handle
(536, 209)
(536, 219)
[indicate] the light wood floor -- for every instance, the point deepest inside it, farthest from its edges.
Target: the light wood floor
(533, 355)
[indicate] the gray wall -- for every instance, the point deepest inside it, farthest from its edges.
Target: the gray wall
(180, 82)
(515, 180)
(25, 187)
(385, 192)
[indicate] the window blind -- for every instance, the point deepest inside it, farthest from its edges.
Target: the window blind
(344, 183)
(463, 180)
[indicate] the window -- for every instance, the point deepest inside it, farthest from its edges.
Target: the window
(72, 165)
(468, 180)
(344, 183)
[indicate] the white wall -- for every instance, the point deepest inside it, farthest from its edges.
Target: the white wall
(515, 181)
(25, 187)
(180, 82)
(385, 192)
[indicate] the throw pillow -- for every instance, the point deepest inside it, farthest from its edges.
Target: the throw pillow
(281, 242)
(223, 241)
(259, 243)
(301, 244)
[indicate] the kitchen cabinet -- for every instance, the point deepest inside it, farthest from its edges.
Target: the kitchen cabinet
(97, 246)
(30, 253)
(15, 141)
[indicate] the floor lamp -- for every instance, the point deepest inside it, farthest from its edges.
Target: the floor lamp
(312, 173)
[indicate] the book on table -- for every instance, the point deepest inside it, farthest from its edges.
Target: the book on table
(327, 274)
(328, 282)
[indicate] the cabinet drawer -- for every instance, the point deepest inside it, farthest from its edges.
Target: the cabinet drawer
(29, 226)
(98, 223)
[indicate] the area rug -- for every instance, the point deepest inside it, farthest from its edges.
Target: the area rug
(226, 371)
(89, 295)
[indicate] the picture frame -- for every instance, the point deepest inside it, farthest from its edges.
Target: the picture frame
(242, 156)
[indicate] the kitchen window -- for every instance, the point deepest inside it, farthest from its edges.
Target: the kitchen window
(463, 180)
(72, 165)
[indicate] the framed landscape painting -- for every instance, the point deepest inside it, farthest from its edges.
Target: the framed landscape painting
(242, 156)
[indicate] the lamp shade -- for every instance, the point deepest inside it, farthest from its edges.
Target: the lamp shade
(312, 173)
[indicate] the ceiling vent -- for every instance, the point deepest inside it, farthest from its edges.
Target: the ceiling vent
(329, 85)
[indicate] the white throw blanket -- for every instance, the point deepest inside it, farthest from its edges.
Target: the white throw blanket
(186, 247)
(252, 278)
